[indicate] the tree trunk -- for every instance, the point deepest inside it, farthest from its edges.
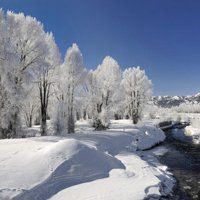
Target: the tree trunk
(98, 125)
(70, 120)
(44, 89)
(135, 120)
(71, 124)
(135, 117)
(30, 121)
(43, 124)
(14, 125)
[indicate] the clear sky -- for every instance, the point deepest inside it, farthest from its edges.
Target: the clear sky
(161, 36)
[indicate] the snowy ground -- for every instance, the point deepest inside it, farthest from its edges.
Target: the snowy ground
(194, 133)
(87, 165)
(193, 130)
(190, 130)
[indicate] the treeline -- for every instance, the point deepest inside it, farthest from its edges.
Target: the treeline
(36, 86)
(188, 108)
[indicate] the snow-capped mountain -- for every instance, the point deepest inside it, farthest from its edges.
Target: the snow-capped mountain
(170, 101)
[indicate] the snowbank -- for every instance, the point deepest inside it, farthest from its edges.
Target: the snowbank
(137, 181)
(25, 163)
(190, 130)
(38, 168)
(145, 135)
(149, 137)
(194, 133)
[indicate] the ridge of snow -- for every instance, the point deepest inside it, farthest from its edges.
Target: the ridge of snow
(38, 168)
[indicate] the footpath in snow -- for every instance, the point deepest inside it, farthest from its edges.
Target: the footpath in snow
(88, 165)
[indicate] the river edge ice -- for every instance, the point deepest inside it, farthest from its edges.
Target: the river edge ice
(88, 165)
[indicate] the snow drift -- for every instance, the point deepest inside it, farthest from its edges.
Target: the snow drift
(38, 168)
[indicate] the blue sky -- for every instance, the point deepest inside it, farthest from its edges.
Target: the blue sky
(161, 36)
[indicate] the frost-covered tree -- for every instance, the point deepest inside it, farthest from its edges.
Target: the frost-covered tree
(103, 84)
(70, 76)
(24, 54)
(75, 74)
(4, 97)
(22, 51)
(30, 106)
(59, 110)
(137, 91)
(189, 107)
(47, 78)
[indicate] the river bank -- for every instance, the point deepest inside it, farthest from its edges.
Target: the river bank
(183, 159)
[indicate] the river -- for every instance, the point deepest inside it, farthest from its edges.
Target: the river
(183, 160)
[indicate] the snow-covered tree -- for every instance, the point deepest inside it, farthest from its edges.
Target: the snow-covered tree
(47, 78)
(103, 84)
(137, 91)
(189, 107)
(30, 73)
(24, 53)
(4, 98)
(30, 106)
(59, 112)
(22, 49)
(70, 76)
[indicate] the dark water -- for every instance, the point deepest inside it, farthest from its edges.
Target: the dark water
(183, 159)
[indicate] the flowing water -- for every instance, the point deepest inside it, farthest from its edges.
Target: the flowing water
(183, 160)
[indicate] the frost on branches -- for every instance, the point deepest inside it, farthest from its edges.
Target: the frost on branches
(103, 84)
(24, 50)
(137, 91)
(46, 78)
(35, 86)
(71, 75)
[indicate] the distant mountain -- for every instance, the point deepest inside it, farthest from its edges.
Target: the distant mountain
(170, 101)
